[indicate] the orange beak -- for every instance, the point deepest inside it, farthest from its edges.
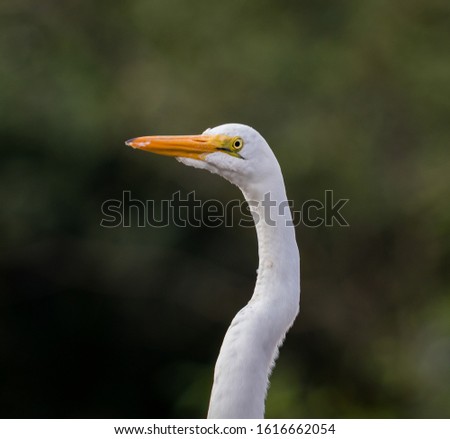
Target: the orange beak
(195, 147)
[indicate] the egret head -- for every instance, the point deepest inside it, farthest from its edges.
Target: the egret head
(236, 152)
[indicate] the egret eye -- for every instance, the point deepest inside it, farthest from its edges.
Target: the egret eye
(237, 143)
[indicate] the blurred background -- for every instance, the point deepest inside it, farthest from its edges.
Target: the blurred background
(127, 322)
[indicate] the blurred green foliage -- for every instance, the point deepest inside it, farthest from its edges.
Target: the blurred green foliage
(127, 322)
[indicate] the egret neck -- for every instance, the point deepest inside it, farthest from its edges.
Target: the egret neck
(252, 340)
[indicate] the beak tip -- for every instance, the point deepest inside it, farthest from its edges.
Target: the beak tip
(138, 142)
(131, 142)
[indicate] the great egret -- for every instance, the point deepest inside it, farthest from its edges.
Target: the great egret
(250, 347)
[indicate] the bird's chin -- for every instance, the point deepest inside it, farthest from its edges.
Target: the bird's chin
(200, 164)
(208, 163)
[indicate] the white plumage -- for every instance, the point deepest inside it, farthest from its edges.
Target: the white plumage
(250, 347)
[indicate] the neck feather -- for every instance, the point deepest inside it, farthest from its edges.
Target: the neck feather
(250, 346)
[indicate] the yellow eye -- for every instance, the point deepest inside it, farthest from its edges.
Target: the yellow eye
(237, 143)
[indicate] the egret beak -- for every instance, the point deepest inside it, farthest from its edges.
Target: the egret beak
(194, 147)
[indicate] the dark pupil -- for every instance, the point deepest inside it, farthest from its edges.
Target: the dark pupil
(237, 144)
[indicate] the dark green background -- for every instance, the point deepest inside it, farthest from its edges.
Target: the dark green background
(353, 96)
